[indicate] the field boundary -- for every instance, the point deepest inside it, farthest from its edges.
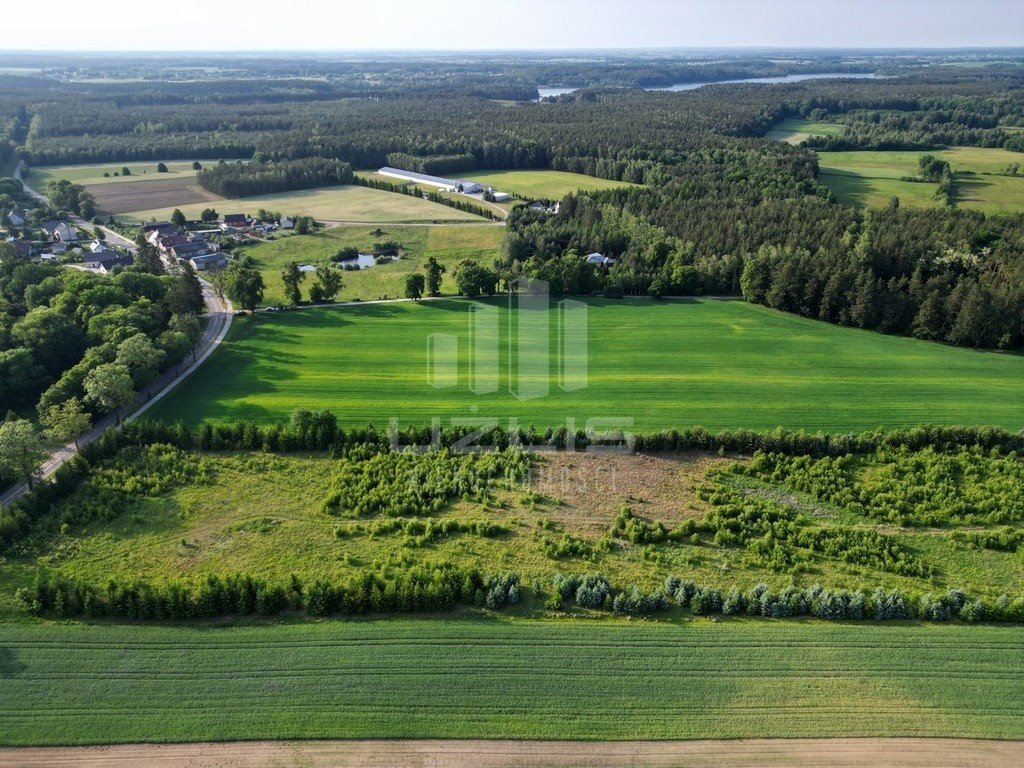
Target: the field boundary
(741, 753)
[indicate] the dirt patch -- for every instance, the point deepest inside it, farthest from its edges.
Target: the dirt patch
(129, 196)
(589, 489)
(746, 753)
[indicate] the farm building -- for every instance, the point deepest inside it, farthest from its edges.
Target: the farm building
(501, 197)
(154, 225)
(287, 223)
(234, 221)
(419, 178)
(464, 186)
(206, 261)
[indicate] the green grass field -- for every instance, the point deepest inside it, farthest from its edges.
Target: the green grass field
(721, 364)
(344, 203)
(552, 185)
(92, 173)
(870, 178)
(794, 130)
(79, 684)
(448, 244)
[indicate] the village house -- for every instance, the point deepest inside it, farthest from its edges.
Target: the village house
(234, 221)
(190, 248)
(18, 217)
(59, 231)
(287, 223)
(207, 261)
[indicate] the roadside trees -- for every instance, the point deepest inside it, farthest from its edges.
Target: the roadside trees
(140, 357)
(243, 284)
(109, 388)
(21, 449)
(66, 422)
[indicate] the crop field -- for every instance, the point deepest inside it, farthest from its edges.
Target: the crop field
(551, 185)
(794, 130)
(92, 173)
(67, 684)
(343, 203)
(171, 193)
(449, 244)
(720, 364)
(871, 178)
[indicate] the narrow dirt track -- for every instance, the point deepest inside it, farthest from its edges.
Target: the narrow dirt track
(748, 753)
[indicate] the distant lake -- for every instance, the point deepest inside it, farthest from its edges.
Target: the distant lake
(547, 90)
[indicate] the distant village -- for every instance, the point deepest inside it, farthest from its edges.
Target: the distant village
(63, 242)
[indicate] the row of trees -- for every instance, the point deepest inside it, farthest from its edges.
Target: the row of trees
(264, 177)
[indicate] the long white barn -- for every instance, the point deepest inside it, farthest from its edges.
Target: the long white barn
(464, 186)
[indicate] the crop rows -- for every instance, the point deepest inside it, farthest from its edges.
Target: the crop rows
(527, 679)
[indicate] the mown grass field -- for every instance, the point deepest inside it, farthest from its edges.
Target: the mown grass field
(344, 203)
(871, 178)
(92, 173)
(79, 684)
(720, 364)
(551, 185)
(794, 130)
(448, 244)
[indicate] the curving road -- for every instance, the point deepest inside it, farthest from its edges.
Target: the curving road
(219, 313)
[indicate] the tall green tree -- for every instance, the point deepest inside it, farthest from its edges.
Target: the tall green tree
(178, 218)
(434, 270)
(327, 285)
(21, 449)
(66, 422)
(243, 284)
(140, 357)
(414, 284)
(109, 388)
(292, 277)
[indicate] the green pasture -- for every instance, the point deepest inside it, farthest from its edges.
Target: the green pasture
(794, 130)
(81, 684)
(869, 178)
(92, 173)
(720, 364)
(449, 244)
(550, 185)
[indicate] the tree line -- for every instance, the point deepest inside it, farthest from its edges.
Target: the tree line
(264, 177)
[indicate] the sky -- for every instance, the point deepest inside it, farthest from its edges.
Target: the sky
(344, 25)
